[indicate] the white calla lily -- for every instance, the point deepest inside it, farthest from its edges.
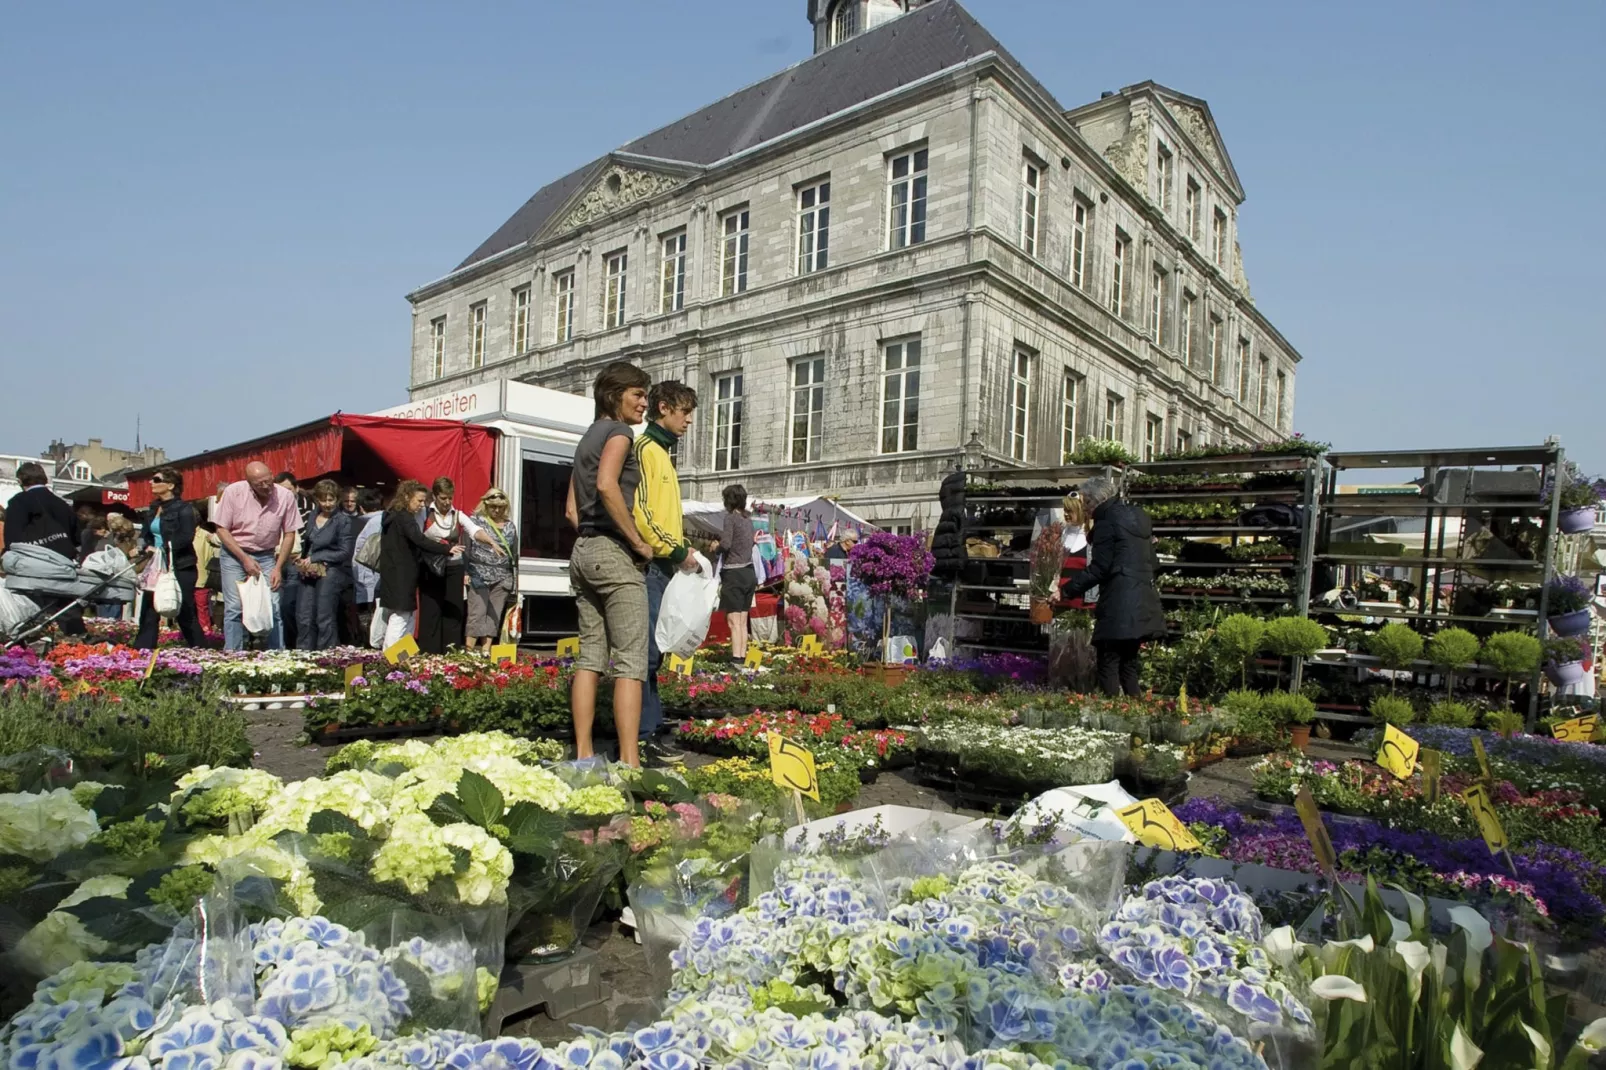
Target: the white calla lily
(1416, 958)
(1541, 1045)
(1401, 931)
(1593, 1038)
(1337, 986)
(1476, 926)
(1416, 908)
(1464, 1055)
(1334, 949)
(1281, 944)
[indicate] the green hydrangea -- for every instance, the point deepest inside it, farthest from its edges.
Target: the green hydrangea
(130, 839)
(329, 1045)
(13, 879)
(929, 888)
(182, 888)
(86, 792)
(486, 983)
(598, 800)
(336, 845)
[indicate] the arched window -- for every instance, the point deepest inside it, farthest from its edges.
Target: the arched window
(844, 20)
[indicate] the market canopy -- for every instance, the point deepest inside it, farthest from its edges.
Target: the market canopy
(811, 514)
(370, 450)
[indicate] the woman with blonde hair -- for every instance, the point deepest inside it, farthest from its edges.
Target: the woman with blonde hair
(492, 569)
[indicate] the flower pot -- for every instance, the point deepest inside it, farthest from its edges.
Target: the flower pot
(891, 675)
(1564, 673)
(1042, 611)
(1299, 734)
(1576, 521)
(1570, 624)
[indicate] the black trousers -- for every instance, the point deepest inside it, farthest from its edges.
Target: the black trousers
(189, 622)
(442, 612)
(1118, 665)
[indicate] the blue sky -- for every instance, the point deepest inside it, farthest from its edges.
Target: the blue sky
(209, 215)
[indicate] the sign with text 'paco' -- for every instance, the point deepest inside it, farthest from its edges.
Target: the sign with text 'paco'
(1153, 823)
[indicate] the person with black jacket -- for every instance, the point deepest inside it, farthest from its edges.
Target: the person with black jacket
(169, 534)
(326, 538)
(36, 516)
(400, 551)
(948, 540)
(1122, 568)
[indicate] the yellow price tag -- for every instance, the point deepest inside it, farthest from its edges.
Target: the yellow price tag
(1316, 832)
(405, 647)
(1432, 768)
(501, 652)
(1494, 834)
(150, 666)
(811, 645)
(792, 766)
(353, 672)
(755, 657)
(570, 647)
(679, 665)
(1577, 730)
(1153, 823)
(1398, 752)
(1483, 760)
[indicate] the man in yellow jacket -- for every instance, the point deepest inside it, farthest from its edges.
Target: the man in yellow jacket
(656, 508)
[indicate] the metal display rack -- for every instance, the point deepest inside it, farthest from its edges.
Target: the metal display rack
(1463, 494)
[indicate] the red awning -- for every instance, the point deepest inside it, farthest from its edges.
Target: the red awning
(367, 450)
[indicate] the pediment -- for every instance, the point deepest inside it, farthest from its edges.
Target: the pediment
(1193, 116)
(616, 183)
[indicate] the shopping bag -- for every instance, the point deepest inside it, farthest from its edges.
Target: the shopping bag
(686, 609)
(512, 623)
(256, 605)
(167, 594)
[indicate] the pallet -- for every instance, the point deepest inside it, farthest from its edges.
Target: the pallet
(563, 988)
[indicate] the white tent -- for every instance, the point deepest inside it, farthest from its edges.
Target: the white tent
(789, 514)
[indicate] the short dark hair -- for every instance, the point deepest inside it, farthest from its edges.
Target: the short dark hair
(611, 384)
(172, 476)
(671, 393)
(285, 477)
(369, 499)
(32, 474)
(735, 497)
(443, 485)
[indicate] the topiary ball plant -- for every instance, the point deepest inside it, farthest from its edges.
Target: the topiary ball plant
(1239, 637)
(1294, 637)
(1456, 714)
(1286, 708)
(1512, 654)
(1391, 709)
(1452, 649)
(1396, 646)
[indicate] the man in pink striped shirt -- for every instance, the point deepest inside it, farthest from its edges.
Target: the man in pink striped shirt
(257, 524)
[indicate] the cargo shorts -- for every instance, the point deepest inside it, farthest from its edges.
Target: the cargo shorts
(610, 591)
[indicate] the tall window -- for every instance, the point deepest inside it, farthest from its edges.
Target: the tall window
(1282, 397)
(476, 336)
(844, 21)
(1123, 246)
(1157, 306)
(521, 319)
(1153, 437)
(437, 346)
(1114, 417)
(733, 253)
(1020, 402)
(1218, 238)
(813, 227)
(613, 302)
(808, 408)
(1079, 220)
(906, 199)
(563, 306)
(1164, 176)
(1186, 326)
(1194, 198)
(1263, 385)
(1243, 371)
(728, 422)
(1031, 181)
(673, 276)
(1213, 349)
(1184, 440)
(1070, 420)
(900, 396)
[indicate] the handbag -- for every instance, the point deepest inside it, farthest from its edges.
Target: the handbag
(367, 554)
(167, 595)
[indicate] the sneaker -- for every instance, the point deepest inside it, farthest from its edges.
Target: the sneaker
(653, 752)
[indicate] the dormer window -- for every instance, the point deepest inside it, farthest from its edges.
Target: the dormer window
(844, 20)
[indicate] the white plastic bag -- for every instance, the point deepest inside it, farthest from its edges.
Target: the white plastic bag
(167, 594)
(14, 609)
(256, 605)
(688, 605)
(900, 650)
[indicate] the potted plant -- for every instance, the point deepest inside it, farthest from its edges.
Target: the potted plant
(1048, 557)
(1295, 637)
(892, 566)
(1294, 712)
(1580, 498)
(1239, 637)
(1512, 654)
(1452, 649)
(1396, 646)
(1391, 709)
(1568, 605)
(1564, 660)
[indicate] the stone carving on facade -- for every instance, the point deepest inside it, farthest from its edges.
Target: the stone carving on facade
(1130, 155)
(617, 187)
(1239, 279)
(1193, 123)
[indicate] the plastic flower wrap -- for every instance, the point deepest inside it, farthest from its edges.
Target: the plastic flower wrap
(418, 851)
(61, 939)
(39, 826)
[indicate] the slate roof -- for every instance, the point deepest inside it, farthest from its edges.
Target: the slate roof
(930, 39)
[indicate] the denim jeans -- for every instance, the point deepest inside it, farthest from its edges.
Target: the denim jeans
(233, 575)
(652, 707)
(318, 620)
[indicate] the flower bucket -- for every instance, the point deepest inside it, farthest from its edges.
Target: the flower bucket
(557, 910)
(890, 675)
(1042, 611)
(1564, 673)
(1299, 735)
(1570, 624)
(1576, 521)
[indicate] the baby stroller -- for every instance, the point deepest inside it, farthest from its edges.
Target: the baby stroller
(41, 586)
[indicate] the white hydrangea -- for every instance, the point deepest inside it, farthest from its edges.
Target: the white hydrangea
(419, 851)
(41, 825)
(360, 795)
(60, 939)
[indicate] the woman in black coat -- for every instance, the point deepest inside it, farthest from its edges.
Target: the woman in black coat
(169, 532)
(948, 541)
(402, 542)
(1121, 566)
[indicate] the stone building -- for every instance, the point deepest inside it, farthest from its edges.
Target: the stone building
(96, 460)
(898, 248)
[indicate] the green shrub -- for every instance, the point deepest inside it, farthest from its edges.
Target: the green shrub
(1396, 645)
(1283, 708)
(181, 727)
(1294, 637)
(1391, 709)
(1512, 654)
(1246, 718)
(1447, 712)
(1239, 637)
(1452, 649)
